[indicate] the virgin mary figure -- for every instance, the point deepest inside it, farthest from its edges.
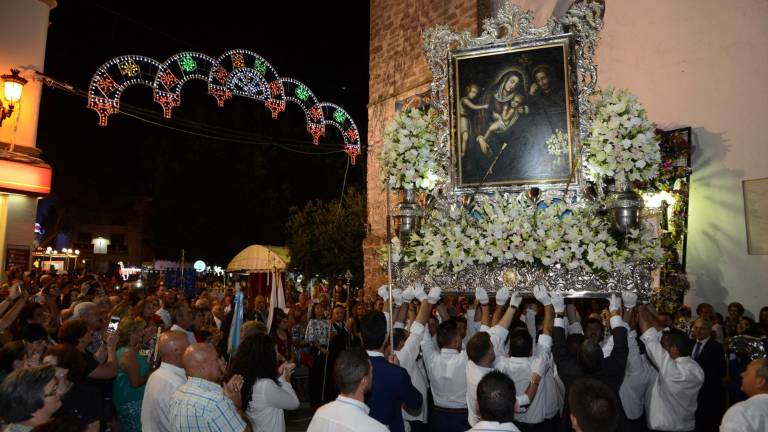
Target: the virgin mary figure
(503, 122)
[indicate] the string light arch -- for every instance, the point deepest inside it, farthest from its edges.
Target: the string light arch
(236, 72)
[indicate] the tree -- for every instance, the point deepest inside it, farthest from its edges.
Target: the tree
(326, 238)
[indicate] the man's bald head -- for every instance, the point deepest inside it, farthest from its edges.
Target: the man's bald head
(754, 380)
(171, 347)
(201, 360)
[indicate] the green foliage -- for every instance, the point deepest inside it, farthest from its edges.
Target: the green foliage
(326, 238)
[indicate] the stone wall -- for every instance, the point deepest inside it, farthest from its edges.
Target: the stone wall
(398, 70)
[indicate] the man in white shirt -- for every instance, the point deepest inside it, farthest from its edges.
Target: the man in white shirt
(532, 373)
(750, 415)
(163, 382)
(496, 403)
(446, 368)
(407, 349)
(353, 375)
(638, 375)
(169, 302)
(671, 403)
(182, 322)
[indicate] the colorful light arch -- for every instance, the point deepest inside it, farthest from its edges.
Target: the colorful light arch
(236, 72)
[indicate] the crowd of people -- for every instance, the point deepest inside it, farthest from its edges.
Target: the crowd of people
(79, 354)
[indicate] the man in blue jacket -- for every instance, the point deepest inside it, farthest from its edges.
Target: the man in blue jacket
(392, 385)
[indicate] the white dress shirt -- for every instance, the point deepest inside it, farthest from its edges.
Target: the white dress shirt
(447, 370)
(344, 415)
(155, 408)
(494, 426)
(190, 335)
(750, 415)
(638, 377)
(475, 372)
(265, 410)
(671, 402)
(547, 401)
(408, 357)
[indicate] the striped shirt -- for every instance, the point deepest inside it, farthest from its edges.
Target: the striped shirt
(200, 405)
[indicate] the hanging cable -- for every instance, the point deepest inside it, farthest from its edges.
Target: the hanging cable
(203, 130)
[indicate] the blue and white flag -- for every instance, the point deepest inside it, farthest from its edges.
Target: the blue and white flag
(237, 321)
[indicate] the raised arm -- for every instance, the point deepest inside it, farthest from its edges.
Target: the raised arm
(108, 369)
(10, 316)
(616, 363)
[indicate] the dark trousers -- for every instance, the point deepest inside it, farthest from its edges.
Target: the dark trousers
(442, 420)
(549, 425)
(417, 426)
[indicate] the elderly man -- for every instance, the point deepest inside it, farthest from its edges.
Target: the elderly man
(182, 321)
(750, 415)
(709, 354)
(89, 312)
(260, 309)
(163, 383)
(201, 404)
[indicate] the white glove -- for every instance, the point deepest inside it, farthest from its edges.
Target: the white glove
(502, 296)
(408, 294)
(542, 295)
(557, 302)
(418, 292)
(515, 300)
(481, 295)
(540, 364)
(615, 303)
(397, 296)
(384, 292)
(434, 295)
(629, 298)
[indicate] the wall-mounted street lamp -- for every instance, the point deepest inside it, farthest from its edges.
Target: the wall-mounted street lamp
(12, 86)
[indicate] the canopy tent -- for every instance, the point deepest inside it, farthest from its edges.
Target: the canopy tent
(263, 264)
(260, 258)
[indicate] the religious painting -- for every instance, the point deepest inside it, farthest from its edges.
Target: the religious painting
(511, 115)
(756, 214)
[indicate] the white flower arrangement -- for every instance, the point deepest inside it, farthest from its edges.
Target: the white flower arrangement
(622, 142)
(557, 145)
(409, 157)
(502, 229)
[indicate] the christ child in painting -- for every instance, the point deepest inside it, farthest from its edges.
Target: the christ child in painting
(467, 107)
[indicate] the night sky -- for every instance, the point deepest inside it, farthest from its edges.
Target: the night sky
(210, 196)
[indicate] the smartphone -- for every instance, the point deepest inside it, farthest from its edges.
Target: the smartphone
(113, 322)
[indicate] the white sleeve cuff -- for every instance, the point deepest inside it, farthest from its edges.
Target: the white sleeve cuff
(399, 325)
(651, 335)
(545, 341)
(559, 322)
(522, 403)
(616, 321)
(417, 328)
(575, 328)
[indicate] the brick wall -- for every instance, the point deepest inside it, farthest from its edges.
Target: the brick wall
(398, 69)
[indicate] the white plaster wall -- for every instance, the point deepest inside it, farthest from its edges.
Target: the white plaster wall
(703, 63)
(23, 32)
(700, 63)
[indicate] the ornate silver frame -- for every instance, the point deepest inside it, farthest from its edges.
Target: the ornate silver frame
(514, 28)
